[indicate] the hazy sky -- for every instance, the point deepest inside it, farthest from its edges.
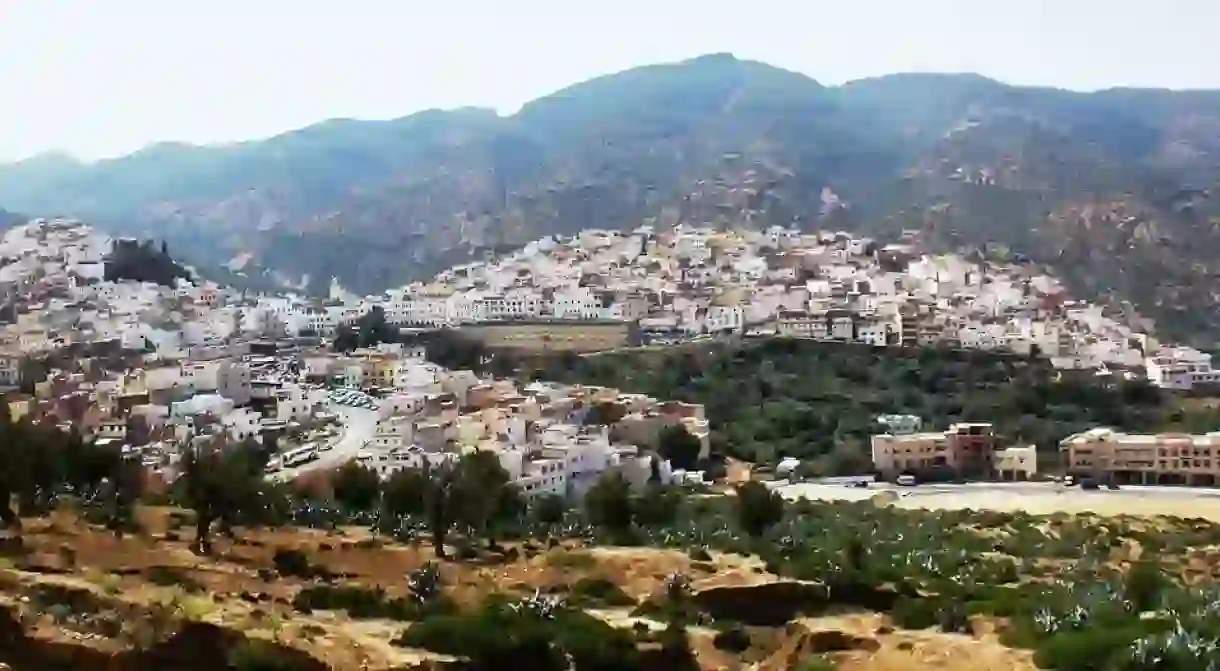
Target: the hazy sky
(103, 77)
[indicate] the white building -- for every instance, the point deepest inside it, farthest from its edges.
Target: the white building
(1180, 368)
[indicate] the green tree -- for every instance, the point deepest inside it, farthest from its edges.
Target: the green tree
(677, 445)
(657, 506)
(405, 492)
(481, 492)
(128, 485)
(549, 509)
(356, 486)
(608, 502)
(219, 485)
(10, 475)
(38, 461)
(346, 339)
(438, 502)
(758, 508)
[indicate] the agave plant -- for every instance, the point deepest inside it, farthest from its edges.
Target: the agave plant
(425, 583)
(677, 588)
(539, 605)
(1178, 648)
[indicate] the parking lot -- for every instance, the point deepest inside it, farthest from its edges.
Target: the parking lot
(1033, 497)
(353, 398)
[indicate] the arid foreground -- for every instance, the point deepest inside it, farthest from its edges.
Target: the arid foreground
(76, 597)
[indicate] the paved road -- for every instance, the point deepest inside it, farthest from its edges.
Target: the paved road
(1035, 497)
(358, 427)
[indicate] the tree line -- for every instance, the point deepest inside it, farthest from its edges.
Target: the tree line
(143, 262)
(225, 488)
(41, 462)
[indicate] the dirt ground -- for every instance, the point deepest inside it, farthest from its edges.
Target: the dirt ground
(236, 589)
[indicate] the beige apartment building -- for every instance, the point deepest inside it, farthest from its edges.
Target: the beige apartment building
(1165, 458)
(966, 449)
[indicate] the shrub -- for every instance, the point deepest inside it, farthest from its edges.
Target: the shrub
(758, 508)
(368, 603)
(263, 656)
(734, 639)
(1092, 649)
(172, 576)
(1143, 584)
(916, 613)
(598, 593)
(507, 635)
(289, 562)
(817, 664)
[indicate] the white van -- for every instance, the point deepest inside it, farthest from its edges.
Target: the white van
(301, 455)
(906, 480)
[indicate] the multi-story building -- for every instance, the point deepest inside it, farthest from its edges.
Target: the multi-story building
(1180, 368)
(10, 369)
(395, 431)
(965, 450)
(1166, 458)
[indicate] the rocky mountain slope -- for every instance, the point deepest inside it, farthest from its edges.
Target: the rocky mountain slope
(1116, 190)
(9, 218)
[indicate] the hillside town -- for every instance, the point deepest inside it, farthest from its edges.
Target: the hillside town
(691, 282)
(159, 369)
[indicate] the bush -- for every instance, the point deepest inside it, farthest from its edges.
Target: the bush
(289, 562)
(503, 635)
(758, 508)
(172, 576)
(1143, 584)
(1094, 649)
(368, 603)
(916, 613)
(734, 639)
(598, 593)
(263, 656)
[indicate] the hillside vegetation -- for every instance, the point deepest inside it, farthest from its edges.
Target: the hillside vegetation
(1115, 190)
(770, 398)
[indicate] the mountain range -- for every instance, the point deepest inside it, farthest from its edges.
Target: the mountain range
(1116, 191)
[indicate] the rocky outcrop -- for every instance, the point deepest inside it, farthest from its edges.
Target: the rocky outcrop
(797, 644)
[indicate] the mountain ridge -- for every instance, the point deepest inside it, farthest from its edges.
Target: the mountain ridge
(1117, 188)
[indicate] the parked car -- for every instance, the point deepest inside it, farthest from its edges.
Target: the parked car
(1112, 486)
(1089, 483)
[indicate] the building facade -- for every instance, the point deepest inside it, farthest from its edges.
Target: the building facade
(963, 450)
(1124, 458)
(555, 335)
